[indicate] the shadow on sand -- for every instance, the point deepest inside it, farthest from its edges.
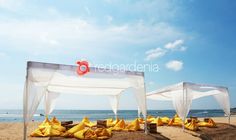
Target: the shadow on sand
(223, 131)
(139, 135)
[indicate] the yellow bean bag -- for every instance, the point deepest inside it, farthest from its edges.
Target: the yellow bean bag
(192, 125)
(46, 131)
(86, 133)
(59, 128)
(110, 122)
(55, 121)
(115, 122)
(150, 119)
(45, 123)
(87, 122)
(102, 133)
(141, 121)
(37, 133)
(159, 121)
(133, 126)
(54, 132)
(90, 134)
(76, 128)
(210, 123)
(176, 121)
(80, 134)
(109, 130)
(119, 126)
(165, 120)
(48, 128)
(153, 120)
(56, 124)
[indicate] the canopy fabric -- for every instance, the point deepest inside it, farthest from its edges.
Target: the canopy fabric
(182, 94)
(47, 81)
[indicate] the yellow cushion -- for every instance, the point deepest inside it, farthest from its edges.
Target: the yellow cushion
(119, 126)
(165, 120)
(192, 125)
(210, 123)
(36, 133)
(133, 126)
(102, 133)
(76, 128)
(80, 134)
(55, 121)
(87, 122)
(159, 121)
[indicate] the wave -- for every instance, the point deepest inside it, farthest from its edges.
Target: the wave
(15, 115)
(202, 112)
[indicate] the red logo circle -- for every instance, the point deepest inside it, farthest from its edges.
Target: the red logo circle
(83, 67)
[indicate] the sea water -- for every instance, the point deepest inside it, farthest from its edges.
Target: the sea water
(77, 115)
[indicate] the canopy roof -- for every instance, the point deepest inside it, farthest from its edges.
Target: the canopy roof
(183, 93)
(50, 80)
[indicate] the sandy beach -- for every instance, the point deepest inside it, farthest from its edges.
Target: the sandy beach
(14, 131)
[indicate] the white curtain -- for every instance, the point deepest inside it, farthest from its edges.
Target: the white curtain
(223, 100)
(50, 101)
(139, 112)
(141, 100)
(114, 102)
(32, 96)
(35, 88)
(182, 101)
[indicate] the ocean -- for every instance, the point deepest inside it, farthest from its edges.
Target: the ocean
(77, 115)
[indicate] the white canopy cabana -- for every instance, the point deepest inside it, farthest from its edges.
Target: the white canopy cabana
(47, 81)
(182, 94)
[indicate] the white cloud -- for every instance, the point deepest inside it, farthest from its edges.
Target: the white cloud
(176, 45)
(47, 40)
(159, 52)
(52, 11)
(11, 5)
(2, 54)
(174, 65)
(109, 18)
(87, 10)
(68, 34)
(154, 53)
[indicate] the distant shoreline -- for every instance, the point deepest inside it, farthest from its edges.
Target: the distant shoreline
(77, 115)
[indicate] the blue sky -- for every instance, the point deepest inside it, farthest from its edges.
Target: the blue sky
(190, 40)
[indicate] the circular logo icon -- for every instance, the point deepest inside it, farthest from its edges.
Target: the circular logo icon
(83, 67)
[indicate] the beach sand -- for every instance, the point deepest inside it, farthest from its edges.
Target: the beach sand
(14, 131)
(223, 131)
